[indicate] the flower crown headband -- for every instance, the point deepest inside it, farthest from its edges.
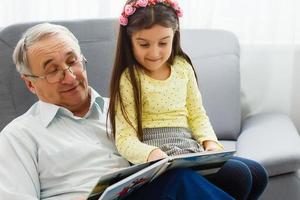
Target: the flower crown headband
(129, 9)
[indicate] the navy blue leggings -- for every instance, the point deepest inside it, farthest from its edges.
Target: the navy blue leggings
(179, 184)
(241, 178)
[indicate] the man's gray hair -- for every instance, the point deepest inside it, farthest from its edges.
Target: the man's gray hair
(33, 35)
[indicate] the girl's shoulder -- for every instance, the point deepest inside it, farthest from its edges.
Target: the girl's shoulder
(125, 80)
(125, 76)
(126, 72)
(181, 65)
(180, 60)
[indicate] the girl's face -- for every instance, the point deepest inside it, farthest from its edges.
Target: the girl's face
(152, 48)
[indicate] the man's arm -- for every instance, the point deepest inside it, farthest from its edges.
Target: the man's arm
(18, 168)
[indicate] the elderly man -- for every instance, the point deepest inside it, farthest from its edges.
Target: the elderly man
(59, 148)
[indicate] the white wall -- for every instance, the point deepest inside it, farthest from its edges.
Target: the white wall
(295, 96)
(270, 80)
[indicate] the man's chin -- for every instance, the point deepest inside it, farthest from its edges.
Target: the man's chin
(75, 93)
(71, 91)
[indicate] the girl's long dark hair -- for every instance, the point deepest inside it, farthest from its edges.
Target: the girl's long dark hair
(143, 18)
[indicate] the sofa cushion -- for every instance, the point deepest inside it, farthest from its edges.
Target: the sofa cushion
(272, 140)
(215, 56)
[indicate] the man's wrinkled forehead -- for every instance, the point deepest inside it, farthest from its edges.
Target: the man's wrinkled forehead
(52, 48)
(54, 43)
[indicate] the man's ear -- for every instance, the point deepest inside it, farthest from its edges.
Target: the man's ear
(29, 84)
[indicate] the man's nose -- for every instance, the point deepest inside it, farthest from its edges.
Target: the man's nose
(68, 75)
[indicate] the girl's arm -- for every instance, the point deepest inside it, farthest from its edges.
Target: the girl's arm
(198, 120)
(127, 142)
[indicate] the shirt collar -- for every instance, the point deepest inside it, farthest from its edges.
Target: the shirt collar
(96, 106)
(48, 111)
(97, 99)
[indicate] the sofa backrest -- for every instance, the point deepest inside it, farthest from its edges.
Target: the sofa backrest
(214, 53)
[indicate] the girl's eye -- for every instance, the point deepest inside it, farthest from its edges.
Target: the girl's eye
(163, 43)
(144, 45)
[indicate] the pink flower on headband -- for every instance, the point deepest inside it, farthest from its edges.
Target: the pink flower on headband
(129, 9)
(174, 4)
(123, 20)
(179, 12)
(141, 3)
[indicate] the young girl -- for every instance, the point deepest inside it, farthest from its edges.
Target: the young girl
(155, 104)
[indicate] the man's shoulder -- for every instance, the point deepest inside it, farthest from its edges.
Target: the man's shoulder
(21, 122)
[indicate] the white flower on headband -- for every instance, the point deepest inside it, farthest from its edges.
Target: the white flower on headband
(130, 9)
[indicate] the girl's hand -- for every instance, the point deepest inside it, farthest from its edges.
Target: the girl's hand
(156, 154)
(210, 145)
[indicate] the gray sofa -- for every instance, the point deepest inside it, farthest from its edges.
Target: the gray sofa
(268, 138)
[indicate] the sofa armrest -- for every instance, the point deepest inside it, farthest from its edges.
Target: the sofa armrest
(272, 140)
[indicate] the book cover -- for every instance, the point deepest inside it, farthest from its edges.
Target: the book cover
(206, 162)
(119, 184)
(113, 177)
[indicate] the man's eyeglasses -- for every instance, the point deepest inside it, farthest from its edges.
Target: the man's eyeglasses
(57, 75)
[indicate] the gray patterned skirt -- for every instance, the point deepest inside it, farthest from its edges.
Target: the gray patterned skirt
(172, 140)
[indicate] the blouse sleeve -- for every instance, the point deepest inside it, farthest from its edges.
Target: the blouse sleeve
(127, 142)
(197, 118)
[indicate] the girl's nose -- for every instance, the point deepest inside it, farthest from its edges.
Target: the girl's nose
(154, 51)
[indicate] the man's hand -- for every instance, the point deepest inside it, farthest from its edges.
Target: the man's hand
(210, 145)
(156, 154)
